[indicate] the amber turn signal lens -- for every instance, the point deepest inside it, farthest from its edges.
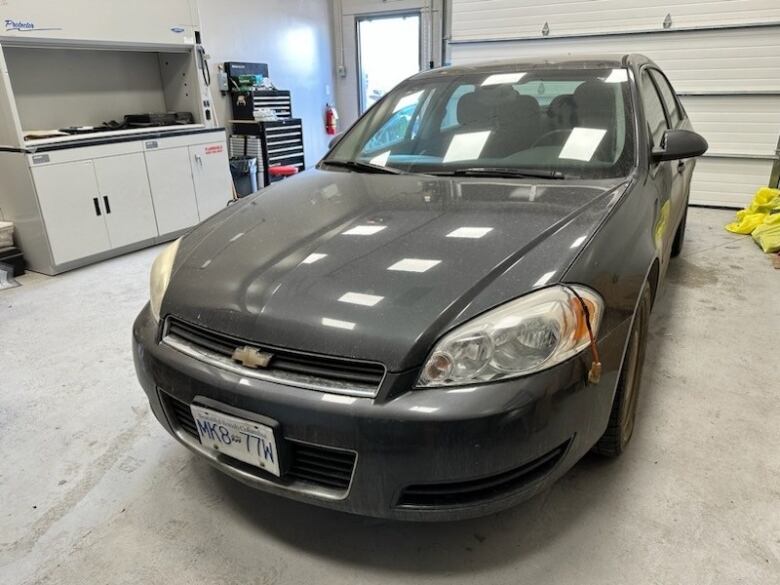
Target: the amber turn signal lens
(438, 367)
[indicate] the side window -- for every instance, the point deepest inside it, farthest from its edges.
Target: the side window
(669, 98)
(450, 119)
(396, 128)
(654, 110)
(393, 131)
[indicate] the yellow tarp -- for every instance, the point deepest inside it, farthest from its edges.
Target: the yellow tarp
(761, 219)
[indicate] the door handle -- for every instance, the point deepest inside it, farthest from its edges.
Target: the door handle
(107, 204)
(97, 206)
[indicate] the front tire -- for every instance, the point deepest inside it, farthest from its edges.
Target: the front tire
(623, 416)
(679, 237)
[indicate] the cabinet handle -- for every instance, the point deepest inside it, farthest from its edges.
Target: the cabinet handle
(97, 206)
(107, 204)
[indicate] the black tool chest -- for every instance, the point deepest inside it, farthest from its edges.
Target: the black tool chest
(280, 144)
(279, 101)
(273, 143)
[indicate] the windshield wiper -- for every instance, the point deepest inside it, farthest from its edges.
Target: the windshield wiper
(357, 165)
(500, 172)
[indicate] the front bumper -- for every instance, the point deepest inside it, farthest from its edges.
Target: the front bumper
(436, 454)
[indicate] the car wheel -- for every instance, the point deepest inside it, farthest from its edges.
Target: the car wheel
(679, 237)
(623, 416)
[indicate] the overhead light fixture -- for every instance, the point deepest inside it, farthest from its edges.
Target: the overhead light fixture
(356, 298)
(312, 258)
(466, 146)
(381, 159)
(338, 324)
(364, 230)
(424, 409)
(338, 399)
(617, 76)
(469, 232)
(407, 100)
(414, 265)
(545, 278)
(582, 143)
(502, 78)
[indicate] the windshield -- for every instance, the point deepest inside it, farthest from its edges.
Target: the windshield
(558, 123)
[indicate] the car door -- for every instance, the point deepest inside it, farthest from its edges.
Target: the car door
(661, 174)
(683, 168)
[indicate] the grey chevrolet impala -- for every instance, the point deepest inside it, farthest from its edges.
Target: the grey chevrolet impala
(449, 311)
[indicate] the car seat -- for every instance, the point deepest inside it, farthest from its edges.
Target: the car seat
(595, 108)
(514, 120)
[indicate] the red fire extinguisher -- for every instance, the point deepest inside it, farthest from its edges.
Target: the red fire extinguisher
(331, 119)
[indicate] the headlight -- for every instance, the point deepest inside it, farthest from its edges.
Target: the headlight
(526, 335)
(161, 276)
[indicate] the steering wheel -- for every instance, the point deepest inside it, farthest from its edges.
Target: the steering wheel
(539, 140)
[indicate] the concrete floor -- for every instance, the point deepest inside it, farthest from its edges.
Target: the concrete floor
(94, 491)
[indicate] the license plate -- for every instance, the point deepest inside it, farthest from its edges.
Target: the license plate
(245, 440)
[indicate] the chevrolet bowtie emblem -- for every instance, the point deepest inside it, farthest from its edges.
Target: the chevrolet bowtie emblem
(251, 357)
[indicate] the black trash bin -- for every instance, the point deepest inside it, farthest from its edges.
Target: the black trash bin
(244, 172)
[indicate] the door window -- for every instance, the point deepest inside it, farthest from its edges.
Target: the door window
(654, 109)
(399, 126)
(669, 97)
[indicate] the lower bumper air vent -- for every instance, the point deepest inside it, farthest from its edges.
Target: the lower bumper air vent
(462, 493)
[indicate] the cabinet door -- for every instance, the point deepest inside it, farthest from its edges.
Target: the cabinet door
(211, 172)
(72, 210)
(126, 198)
(173, 194)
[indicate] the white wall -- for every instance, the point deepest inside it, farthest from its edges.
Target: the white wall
(345, 13)
(293, 37)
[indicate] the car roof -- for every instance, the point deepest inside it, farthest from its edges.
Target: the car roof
(568, 61)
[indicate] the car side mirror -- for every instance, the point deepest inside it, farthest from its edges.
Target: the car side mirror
(335, 140)
(679, 144)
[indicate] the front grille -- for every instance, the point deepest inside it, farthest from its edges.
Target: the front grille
(325, 373)
(321, 466)
(437, 495)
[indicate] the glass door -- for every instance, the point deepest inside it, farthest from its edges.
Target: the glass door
(388, 52)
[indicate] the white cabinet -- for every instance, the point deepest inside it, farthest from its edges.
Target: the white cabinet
(126, 199)
(74, 204)
(189, 183)
(173, 193)
(211, 174)
(72, 210)
(93, 206)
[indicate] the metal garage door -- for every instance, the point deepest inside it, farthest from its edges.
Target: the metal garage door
(722, 58)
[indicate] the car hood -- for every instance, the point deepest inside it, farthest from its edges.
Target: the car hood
(369, 266)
